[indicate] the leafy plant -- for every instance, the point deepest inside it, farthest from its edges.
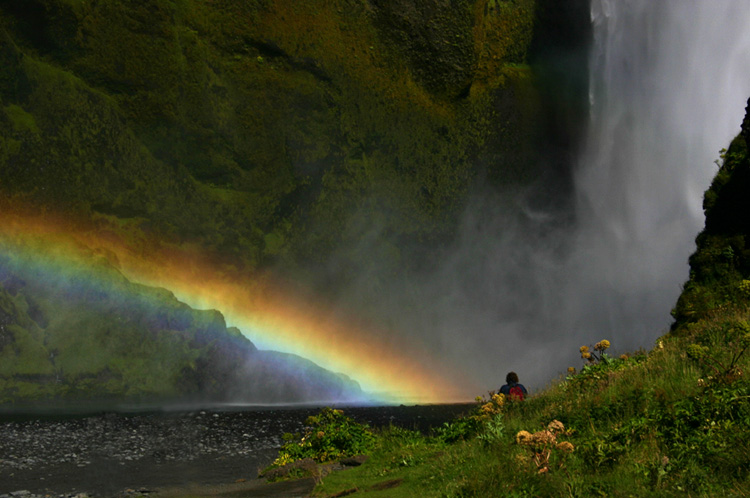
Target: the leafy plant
(328, 436)
(493, 431)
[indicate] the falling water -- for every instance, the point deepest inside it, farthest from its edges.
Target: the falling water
(668, 85)
(669, 81)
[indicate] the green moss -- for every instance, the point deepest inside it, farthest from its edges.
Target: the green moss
(21, 120)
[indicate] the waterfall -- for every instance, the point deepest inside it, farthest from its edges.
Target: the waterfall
(527, 284)
(669, 81)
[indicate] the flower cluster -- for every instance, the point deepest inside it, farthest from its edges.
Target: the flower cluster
(602, 345)
(597, 354)
(492, 407)
(542, 443)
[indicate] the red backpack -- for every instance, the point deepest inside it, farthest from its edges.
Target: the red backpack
(516, 393)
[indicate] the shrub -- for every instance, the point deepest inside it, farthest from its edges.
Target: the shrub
(328, 436)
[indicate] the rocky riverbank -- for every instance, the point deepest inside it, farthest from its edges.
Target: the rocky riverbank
(125, 454)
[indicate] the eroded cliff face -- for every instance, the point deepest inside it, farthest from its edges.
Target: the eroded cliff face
(272, 134)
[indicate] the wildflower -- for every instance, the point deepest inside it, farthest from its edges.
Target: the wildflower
(478, 399)
(586, 356)
(487, 408)
(556, 426)
(320, 434)
(604, 344)
(565, 447)
(524, 437)
(624, 357)
(701, 383)
(584, 349)
(571, 371)
(498, 399)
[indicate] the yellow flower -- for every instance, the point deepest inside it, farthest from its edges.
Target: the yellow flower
(478, 399)
(586, 355)
(523, 437)
(571, 371)
(565, 446)
(320, 434)
(624, 357)
(583, 349)
(604, 344)
(499, 399)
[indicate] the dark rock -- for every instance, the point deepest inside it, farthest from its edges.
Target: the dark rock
(306, 466)
(354, 461)
(345, 492)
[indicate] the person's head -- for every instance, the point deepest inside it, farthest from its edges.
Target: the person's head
(511, 378)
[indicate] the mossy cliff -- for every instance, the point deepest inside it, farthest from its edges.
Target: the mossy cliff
(267, 129)
(720, 268)
(272, 134)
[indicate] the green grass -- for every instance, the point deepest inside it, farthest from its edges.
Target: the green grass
(657, 423)
(673, 421)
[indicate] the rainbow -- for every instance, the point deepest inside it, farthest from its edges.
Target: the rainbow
(272, 316)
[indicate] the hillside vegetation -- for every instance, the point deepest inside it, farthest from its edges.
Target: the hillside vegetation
(73, 330)
(672, 421)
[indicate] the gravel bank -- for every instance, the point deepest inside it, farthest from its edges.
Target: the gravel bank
(122, 454)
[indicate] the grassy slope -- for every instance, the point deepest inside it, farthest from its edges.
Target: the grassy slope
(673, 421)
